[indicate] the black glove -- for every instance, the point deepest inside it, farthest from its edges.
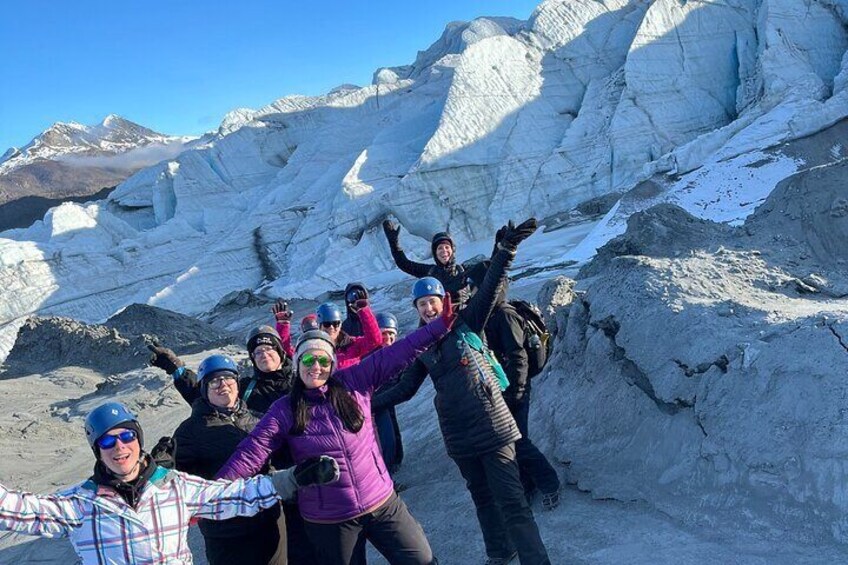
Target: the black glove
(163, 452)
(392, 231)
(359, 305)
(316, 471)
(513, 235)
(164, 358)
(281, 311)
(356, 294)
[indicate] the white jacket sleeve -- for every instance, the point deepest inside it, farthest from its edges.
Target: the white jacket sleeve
(54, 515)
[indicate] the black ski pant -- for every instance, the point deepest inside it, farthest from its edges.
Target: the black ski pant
(534, 468)
(391, 529)
(299, 547)
(264, 546)
(502, 509)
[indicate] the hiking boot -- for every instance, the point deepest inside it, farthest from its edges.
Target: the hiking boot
(501, 560)
(550, 500)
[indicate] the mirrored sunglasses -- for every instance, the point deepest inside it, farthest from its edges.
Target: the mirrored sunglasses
(309, 360)
(109, 441)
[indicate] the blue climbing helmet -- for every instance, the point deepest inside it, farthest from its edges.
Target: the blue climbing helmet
(387, 322)
(212, 365)
(215, 363)
(427, 286)
(328, 312)
(108, 416)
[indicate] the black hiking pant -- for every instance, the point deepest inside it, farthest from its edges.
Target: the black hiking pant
(391, 529)
(299, 547)
(534, 468)
(502, 509)
(264, 546)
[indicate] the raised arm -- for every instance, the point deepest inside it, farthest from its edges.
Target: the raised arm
(185, 380)
(384, 364)
(282, 319)
(370, 338)
(54, 515)
(480, 306)
(401, 391)
(251, 454)
(417, 270)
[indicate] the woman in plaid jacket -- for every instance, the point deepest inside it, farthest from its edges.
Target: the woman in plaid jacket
(133, 511)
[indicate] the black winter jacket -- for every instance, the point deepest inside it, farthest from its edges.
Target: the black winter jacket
(204, 443)
(452, 275)
(260, 396)
(473, 416)
(505, 337)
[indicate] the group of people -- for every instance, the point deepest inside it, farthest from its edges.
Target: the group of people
(294, 464)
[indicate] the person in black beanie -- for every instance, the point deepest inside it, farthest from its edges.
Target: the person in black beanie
(445, 269)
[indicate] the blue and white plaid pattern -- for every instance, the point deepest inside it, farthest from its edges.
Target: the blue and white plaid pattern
(104, 529)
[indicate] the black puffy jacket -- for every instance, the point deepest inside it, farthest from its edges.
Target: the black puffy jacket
(259, 392)
(473, 416)
(204, 443)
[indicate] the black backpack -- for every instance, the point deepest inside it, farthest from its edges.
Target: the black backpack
(537, 339)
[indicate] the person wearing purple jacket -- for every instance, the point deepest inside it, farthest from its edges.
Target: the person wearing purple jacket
(329, 412)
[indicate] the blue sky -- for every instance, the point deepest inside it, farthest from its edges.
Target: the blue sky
(179, 66)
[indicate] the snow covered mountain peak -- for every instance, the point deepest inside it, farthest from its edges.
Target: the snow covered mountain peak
(113, 135)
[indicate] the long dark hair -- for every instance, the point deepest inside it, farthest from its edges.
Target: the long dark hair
(342, 402)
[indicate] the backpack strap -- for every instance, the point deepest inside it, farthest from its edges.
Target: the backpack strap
(249, 390)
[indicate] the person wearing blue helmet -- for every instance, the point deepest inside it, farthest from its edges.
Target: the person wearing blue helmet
(385, 420)
(476, 424)
(204, 441)
(271, 379)
(388, 325)
(133, 511)
(350, 349)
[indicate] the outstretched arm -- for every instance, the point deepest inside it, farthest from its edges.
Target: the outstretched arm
(53, 515)
(403, 263)
(384, 364)
(251, 454)
(221, 500)
(401, 391)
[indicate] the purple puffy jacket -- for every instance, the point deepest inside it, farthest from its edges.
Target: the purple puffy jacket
(364, 483)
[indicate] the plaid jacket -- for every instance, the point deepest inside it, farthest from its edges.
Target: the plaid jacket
(106, 530)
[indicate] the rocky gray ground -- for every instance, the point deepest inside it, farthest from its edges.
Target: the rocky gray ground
(701, 367)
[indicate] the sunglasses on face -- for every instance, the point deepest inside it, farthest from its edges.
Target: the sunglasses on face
(109, 441)
(218, 381)
(263, 350)
(309, 360)
(330, 324)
